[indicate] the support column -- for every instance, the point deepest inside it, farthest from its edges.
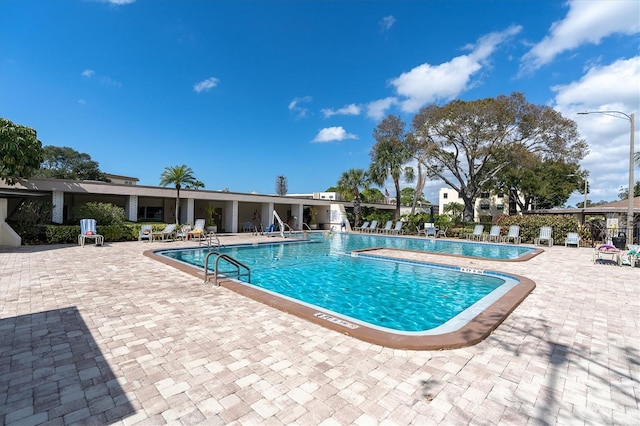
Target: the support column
(131, 208)
(231, 216)
(57, 199)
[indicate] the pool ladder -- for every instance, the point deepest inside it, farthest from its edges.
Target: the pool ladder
(237, 272)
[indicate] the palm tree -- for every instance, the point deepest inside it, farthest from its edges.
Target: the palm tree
(349, 184)
(389, 155)
(179, 176)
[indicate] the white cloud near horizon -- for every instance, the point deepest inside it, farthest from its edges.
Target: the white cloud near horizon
(603, 88)
(351, 109)
(331, 134)
(206, 85)
(585, 22)
(427, 83)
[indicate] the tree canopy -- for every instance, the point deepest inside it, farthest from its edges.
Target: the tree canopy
(20, 151)
(469, 143)
(349, 185)
(179, 177)
(389, 155)
(281, 185)
(67, 163)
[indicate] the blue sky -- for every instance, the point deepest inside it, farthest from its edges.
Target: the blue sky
(244, 91)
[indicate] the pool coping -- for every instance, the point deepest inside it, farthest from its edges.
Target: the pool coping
(473, 332)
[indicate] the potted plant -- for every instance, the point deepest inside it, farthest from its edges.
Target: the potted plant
(211, 220)
(312, 223)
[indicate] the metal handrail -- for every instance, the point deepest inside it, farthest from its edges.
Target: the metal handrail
(208, 238)
(229, 259)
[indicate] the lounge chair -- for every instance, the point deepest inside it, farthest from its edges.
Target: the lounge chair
(387, 227)
(88, 230)
(513, 235)
(397, 230)
(494, 234)
(169, 232)
(545, 236)
(572, 239)
(373, 227)
(362, 227)
(146, 233)
(442, 232)
(198, 230)
(477, 233)
(429, 230)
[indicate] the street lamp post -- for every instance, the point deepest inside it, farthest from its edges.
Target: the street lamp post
(586, 182)
(631, 118)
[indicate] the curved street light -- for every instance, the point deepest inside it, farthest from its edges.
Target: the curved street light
(631, 118)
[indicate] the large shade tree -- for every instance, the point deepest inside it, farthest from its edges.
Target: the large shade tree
(468, 142)
(179, 177)
(67, 163)
(389, 156)
(20, 151)
(349, 185)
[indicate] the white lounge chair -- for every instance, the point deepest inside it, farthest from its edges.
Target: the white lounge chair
(494, 234)
(198, 230)
(545, 236)
(387, 227)
(397, 230)
(373, 227)
(513, 235)
(88, 230)
(477, 233)
(145, 233)
(169, 232)
(572, 239)
(362, 227)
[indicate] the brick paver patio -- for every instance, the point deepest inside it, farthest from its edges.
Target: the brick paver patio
(105, 335)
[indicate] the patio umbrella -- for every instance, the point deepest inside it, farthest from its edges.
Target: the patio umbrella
(431, 218)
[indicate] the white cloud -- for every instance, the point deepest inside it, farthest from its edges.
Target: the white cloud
(377, 109)
(586, 22)
(104, 80)
(118, 2)
(603, 88)
(294, 106)
(351, 109)
(206, 85)
(387, 22)
(427, 83)
(330, 134)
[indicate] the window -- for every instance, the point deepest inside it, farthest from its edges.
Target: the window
(500, 194)
(484, 206)
(484, 195)
(445, 195)
(150, 213)
(500, 206)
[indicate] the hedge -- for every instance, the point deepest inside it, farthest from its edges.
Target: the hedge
(62, 234)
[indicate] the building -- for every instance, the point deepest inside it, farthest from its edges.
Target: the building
(232, 210)
(488, 206)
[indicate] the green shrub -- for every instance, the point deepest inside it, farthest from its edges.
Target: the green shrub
(67, 234)
(27, 221)
(103, 213)
(530, 226)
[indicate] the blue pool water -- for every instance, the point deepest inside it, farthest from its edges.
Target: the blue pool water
(406, 297)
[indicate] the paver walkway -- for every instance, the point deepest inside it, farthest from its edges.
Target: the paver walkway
(105, 335)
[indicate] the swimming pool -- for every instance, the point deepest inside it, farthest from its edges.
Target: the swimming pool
(357, 291)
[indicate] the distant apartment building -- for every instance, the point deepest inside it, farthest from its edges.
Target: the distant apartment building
(488, 206)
